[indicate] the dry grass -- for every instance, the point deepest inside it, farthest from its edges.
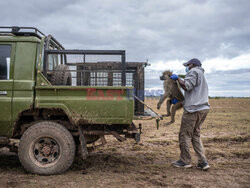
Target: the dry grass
(225, 134)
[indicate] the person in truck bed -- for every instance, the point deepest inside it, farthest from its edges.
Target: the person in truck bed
(196, 108)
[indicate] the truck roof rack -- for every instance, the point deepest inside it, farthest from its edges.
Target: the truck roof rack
(22, 31)
(31, 31)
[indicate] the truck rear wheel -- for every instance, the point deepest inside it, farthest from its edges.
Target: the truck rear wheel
(46, 148)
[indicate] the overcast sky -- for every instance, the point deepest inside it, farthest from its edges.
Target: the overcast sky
(166, 32)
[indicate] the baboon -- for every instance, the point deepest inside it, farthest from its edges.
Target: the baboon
(171, 91)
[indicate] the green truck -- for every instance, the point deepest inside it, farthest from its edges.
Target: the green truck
(57, 101)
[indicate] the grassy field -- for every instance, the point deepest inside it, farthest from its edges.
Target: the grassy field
(225, 135)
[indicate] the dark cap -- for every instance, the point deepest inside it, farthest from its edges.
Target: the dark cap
(193, 61)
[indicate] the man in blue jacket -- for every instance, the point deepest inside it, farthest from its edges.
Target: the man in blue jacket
(196, 108)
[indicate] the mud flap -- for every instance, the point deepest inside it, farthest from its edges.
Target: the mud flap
(83, 145)
(137, 137)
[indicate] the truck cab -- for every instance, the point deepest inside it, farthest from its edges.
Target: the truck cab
(18, 57)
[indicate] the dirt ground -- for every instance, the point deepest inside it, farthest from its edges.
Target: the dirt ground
(225, 135)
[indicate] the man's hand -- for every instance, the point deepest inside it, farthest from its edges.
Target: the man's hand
(181, 82)
(174, 101)
(174, 77)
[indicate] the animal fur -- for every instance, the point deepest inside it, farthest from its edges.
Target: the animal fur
(171, 90)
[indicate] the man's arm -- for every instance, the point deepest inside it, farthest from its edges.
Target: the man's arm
(189, 83)
(182, 84)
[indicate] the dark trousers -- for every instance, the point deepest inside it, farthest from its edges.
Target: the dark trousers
(190, 132)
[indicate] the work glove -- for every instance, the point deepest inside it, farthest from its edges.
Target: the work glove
(174, 101)
(174, 77)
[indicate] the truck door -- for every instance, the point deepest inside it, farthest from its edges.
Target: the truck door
(6, 84)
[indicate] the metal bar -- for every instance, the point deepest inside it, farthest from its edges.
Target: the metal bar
(123, 69)
(49, 40)
(92, 70)
(90, 52)
(95, 78)
(129, 65)
(117, 136)
(23, 28)
(56, 42)
(101, 133)
(45, 59)
(110, 78)
(159, 116)
(140, 89)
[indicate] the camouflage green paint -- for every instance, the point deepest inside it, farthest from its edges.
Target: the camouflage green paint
(81, 107)
(28, 88)
(20, 87)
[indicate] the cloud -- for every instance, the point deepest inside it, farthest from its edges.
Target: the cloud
(221, 83)
(157, 30)
(225, 77)
(167, 33)
(210, 65)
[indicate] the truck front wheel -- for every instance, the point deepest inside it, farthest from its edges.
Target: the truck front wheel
(46, 148)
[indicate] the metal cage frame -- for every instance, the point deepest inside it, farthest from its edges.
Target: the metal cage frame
(52, 46)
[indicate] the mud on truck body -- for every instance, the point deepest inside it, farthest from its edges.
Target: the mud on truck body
(55, 101)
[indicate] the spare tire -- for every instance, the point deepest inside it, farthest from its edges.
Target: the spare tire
(61, 76)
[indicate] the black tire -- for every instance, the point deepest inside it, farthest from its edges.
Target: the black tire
(61, 76)
(57, 151)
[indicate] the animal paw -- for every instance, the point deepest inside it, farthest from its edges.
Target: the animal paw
(158, 106)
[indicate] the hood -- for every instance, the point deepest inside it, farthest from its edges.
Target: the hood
(200, 68)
